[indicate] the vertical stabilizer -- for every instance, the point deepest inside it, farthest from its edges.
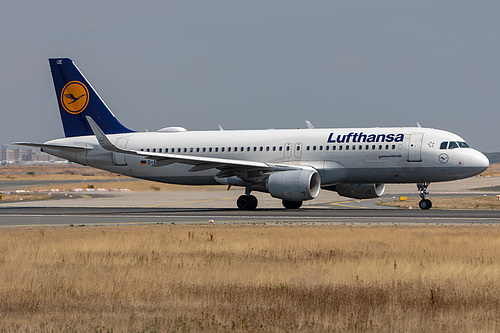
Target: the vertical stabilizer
(77, 99)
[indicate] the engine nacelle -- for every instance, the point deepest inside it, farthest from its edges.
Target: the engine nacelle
(294, 185)
(359, 191)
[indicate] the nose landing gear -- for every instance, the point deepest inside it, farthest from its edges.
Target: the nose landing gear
(424, 204)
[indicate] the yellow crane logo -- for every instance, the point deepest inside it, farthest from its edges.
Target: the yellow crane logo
(74, 97)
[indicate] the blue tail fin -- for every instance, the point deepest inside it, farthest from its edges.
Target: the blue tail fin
(78, 99)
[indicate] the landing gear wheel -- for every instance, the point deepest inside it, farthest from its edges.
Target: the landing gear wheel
(247, 202)
(425, 204)
(255, 202)
(291, 204)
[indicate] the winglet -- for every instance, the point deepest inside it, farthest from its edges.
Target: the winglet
(102, 138)
(309, 124)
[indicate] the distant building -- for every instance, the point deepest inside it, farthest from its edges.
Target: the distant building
(12, 154)
(3, 152)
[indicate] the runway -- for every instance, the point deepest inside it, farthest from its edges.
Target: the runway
(91, 216)
(188, 205)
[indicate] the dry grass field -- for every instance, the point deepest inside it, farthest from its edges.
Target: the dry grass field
(493, 170)
(70, 176)
(251, 278)
(52, 172)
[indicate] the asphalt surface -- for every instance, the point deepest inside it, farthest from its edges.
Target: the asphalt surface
(190, 205)
(86, 216)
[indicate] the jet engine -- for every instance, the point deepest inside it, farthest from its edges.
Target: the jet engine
(294, 185)
(358, 191)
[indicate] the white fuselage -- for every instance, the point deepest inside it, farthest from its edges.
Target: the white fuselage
(357, 155)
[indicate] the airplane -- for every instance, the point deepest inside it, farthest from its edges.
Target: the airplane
(290, 164)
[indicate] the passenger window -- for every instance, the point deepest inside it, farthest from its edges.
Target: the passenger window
(347, 147)
(287, 148)
(452, 145)
(216, 149)
(274, 148)
(393, 147)
(197, 150)
(281, 148)
(147, 150)
(314, 147)
(353, 147)
(334, 147)
(178, 150)
(261, 148)
(308, 148)
(444, 145)
(210, 149)
(380, 147)
(360, 147)
(142, 149)
(387, 147)
(373, 147)
(320, 147)
(228, 149)
(248, 148)
(222, 149)
(327, 147)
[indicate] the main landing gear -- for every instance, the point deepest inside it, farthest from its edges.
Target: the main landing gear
(250, 202)
(424, 204)
(247, 202)
(291, 204)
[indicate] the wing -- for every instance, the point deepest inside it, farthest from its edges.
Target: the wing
(245, 170)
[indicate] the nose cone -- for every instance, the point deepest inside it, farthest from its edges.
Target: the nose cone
(479, 161)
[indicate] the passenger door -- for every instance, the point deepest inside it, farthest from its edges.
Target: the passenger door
(415, 147)
(119, 158)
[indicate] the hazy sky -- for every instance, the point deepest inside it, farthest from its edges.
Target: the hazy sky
(258, 64)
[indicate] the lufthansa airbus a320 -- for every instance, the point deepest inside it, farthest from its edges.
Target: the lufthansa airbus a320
(292, 164)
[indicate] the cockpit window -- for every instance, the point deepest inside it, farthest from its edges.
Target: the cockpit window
(453, 145)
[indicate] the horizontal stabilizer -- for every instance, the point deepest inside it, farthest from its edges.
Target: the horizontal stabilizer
(56, 147)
